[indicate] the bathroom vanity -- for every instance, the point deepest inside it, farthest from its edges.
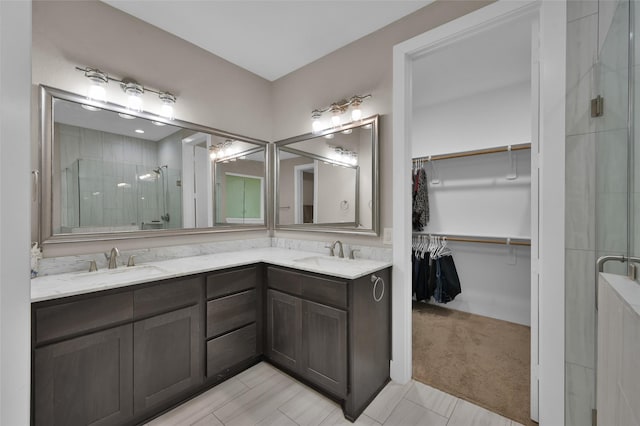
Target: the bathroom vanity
(123, 348)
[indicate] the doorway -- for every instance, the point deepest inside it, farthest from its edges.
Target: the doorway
(546, 128)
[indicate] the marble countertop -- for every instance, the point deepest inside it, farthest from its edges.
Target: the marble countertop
(74, 283)
(628, 290)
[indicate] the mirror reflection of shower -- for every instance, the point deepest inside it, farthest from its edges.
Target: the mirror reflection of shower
(155, 213)
(162, 203)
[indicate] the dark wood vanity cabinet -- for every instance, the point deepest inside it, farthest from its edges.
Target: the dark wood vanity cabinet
(83, 360)
(85, 380)
(114, 358)
(333, 333)
(121, 356)
(167, 342)
(233, 320)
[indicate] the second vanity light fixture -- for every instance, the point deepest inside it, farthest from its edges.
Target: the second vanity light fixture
(337, 109)
(224, 152)
(98, 92)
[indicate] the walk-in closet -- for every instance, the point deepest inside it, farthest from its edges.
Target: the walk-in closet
(474, 141)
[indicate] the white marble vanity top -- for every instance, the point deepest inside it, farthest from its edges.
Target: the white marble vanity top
(73, 283)
(628, 290)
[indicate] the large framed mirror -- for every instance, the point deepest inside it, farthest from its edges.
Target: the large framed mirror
(329, 181)
(109, 173)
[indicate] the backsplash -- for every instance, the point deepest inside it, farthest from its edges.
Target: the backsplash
(60, 265)
(366, 252)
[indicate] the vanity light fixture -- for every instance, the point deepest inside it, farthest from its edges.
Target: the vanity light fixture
(222, 151)
(344, 156)
(337, 109)
(139, 131)
(135, 91)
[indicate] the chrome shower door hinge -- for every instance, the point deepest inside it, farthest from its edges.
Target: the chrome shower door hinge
(597, 106)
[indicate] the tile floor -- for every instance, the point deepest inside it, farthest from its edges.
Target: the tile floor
(263, 395)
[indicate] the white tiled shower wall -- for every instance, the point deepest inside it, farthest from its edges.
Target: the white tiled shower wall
(596, 184)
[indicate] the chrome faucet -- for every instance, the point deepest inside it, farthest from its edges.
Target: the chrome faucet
(333, 246)
(111, 257)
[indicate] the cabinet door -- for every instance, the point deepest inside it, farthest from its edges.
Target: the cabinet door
(324, 343)
(86, 380)
(284, 329)
(168, 356)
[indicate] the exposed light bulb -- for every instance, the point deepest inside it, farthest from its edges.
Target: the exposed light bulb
(167, 105)
(97, 88)
(335, 120)
(213, 155)
(134, 103)
(134, 93)
(316, 124)
(97, 92)
(167, 111)
(356, 113)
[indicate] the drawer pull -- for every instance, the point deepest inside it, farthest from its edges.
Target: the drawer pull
(376, 280)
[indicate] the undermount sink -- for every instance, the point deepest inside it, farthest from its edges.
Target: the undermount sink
(133, 270)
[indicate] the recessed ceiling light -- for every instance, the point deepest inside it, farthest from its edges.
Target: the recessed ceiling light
(126, 116)
(139, 131)
(348, 131)
(90, 108)
(366, 126)
(158, 123)
(188, 139)
(329, 136)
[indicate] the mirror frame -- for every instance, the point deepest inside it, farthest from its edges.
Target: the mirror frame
(332, 227)
(45, 187)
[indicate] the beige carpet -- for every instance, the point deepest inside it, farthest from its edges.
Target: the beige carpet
(479, 359)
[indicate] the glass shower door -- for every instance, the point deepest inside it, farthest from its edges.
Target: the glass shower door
(614, 153)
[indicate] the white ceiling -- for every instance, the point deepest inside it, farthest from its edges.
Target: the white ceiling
(269, 38)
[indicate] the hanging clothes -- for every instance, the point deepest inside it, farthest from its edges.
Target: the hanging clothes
(420, 196)
(434, 272)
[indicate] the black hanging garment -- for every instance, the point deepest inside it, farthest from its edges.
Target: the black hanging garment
(421, 273)
(420, 196)
(447, 283)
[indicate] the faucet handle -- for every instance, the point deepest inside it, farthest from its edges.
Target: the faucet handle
(93, 267)
(330, 247)
(131, 261)
(352, 253)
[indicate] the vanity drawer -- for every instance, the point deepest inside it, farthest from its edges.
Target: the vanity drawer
(318, 289)
(227, 313)
(323, 290)
(230, 349)
(231, 282)
(166, 297)
(73, 318)
(287, 281)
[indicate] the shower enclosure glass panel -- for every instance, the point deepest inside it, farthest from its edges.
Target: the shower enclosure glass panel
(613, 154)
(103, 196)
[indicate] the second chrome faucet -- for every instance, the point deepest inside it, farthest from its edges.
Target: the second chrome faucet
(332, 249)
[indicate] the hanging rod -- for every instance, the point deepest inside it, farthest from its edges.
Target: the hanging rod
(480, 239)
(506, 148)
